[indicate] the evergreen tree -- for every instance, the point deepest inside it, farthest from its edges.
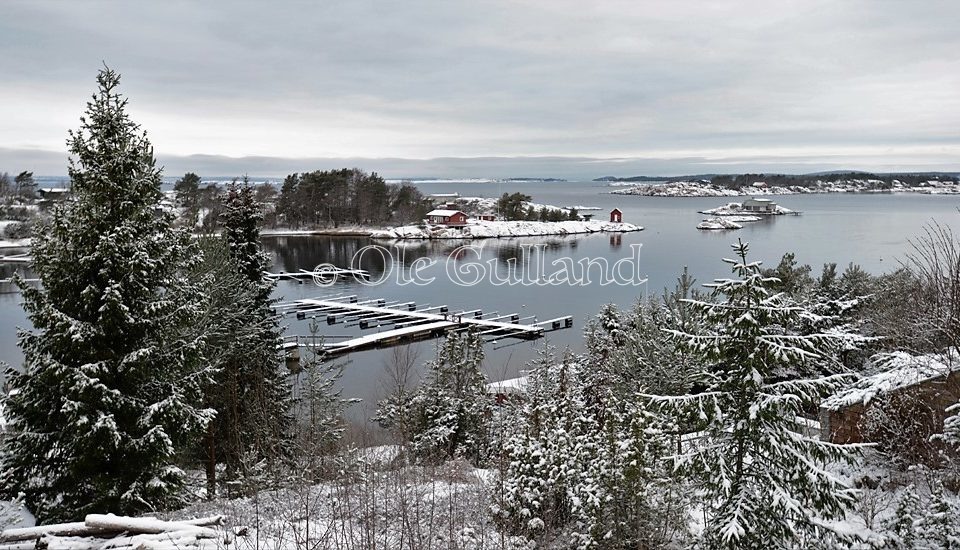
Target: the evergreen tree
(187, 190)
(448, 416)
(320, 407)
(764, 483)
(631, 349)
(250, 393)
(584, 465)
(108, 396)
(25, 184)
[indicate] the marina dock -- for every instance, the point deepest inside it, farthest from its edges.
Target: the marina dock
(400, 323)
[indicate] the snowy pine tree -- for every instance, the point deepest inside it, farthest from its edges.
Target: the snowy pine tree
(320, 408)
(448, 416)
(108, 398)
(250, 392)
(631, 349)
(764, 484)
(583, 466)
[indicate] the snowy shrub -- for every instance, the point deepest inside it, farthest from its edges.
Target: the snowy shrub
(764, 483)
(18, 230)
(903, 425)
(449, 414)
(582, 468)
(932, 523)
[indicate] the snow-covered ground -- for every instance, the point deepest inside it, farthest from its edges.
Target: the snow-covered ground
(487, 205)
(678, 189)
(736, 209)
(478, 229)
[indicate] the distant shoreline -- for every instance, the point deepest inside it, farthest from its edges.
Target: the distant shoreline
(701, 189)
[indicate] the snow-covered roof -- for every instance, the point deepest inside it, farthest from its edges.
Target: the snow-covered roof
(898, 370)
(512, 385)
(53, 190)
(757, 200)
(443, 212)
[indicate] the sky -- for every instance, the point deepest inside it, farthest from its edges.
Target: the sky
(447, 88)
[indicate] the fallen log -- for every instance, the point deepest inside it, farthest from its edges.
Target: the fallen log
(78, 529)
(108, 531)
(122, 524)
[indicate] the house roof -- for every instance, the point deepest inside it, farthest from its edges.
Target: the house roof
(895, 371)
(441, 212)
(615, 210)
(751, 199)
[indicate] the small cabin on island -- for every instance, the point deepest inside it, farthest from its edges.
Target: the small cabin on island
(447, 217)
(616, 216)
(759, 206)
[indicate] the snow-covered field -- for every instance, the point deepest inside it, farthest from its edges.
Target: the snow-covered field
(484, 229)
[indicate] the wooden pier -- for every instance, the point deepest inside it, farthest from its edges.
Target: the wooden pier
(404, 322)
(15, 258)
(322, 274)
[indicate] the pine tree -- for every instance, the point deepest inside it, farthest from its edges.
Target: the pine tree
(320, 407)
(108, 396)
(764, 483)
(448, 416)
(250, 392)
(584, 465)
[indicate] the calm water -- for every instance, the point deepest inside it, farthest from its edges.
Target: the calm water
(871, 230)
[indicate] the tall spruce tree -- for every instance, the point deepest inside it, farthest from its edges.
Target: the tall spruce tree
(112, 377)
(764, 482)
(250, 392)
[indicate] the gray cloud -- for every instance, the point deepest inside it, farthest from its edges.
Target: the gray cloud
(800, 83)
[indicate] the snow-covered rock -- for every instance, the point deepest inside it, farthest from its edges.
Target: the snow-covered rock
(717, 224)
(478, 229)
(736, 209)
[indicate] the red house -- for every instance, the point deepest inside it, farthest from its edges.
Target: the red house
(447, 217)
(616, 216)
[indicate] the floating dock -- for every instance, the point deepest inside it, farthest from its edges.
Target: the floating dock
(399, 323)
(15, 259)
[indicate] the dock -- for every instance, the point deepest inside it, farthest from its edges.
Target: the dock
(324, 273)
(23, 258)
(399, 323)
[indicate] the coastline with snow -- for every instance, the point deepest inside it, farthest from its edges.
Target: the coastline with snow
(494, 229)
(707, 189)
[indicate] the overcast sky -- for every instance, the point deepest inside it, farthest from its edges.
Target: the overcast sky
(608, 87)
